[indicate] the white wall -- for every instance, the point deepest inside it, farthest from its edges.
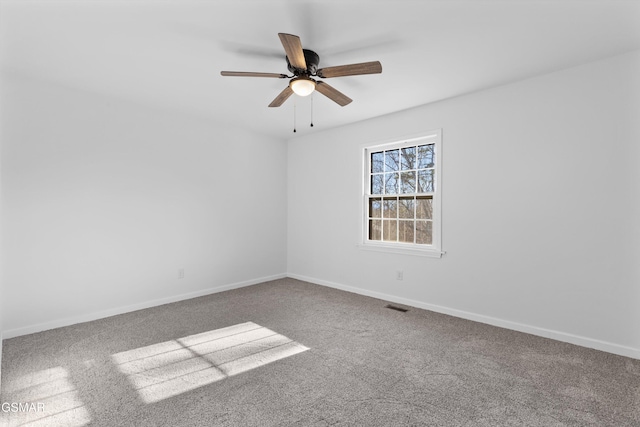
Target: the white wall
(541, 203)
(105, 200)
(1, 265)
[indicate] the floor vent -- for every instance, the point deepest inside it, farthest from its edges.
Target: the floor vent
(395, 307)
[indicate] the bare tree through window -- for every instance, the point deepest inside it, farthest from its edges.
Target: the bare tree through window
(400, 194)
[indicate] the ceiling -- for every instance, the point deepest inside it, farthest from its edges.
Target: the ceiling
(169, 54)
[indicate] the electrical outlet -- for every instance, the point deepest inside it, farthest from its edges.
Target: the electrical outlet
(399, 275)
(181, 273)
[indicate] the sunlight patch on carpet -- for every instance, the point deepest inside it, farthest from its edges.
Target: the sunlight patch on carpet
(48, 398)
(173, 367)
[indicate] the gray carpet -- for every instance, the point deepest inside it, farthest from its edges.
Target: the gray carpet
(292, 353)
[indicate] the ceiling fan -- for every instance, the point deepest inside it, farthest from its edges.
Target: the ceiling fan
(303, 63)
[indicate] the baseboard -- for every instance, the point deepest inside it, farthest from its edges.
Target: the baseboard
(520, 327)
(11, 333)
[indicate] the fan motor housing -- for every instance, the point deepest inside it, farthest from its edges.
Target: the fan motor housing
(311, 58)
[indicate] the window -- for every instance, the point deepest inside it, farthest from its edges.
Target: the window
(402, 196)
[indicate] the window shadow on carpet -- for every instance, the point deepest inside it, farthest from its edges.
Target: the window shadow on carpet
(167, 369)
(45, 398)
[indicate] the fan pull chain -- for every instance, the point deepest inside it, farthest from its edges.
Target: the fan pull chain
(311, 110)
(294, 115)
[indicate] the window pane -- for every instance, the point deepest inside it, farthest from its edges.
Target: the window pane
(392, 160)
(375, 230)
(424, 232)
(375, 208)
(408, 158)
(405, 208)
(426, 156)
(377, 162)
(407, 182)
(390, 230)
(405, 232)
(400, 198)
(377, 184)
(391, 183)
(424, 207)
(390, 208)
(425, 181)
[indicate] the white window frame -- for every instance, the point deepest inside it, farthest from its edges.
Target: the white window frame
(435, 248)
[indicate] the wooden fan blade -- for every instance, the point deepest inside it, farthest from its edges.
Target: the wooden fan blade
(333, 94)
(293, 48)
(374, 67)
(284, 95)
(250, 74)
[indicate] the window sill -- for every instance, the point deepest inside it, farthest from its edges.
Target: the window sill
(397, 249)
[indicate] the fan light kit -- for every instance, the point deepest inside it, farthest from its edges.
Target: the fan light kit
(302, 86)
(303, 64)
